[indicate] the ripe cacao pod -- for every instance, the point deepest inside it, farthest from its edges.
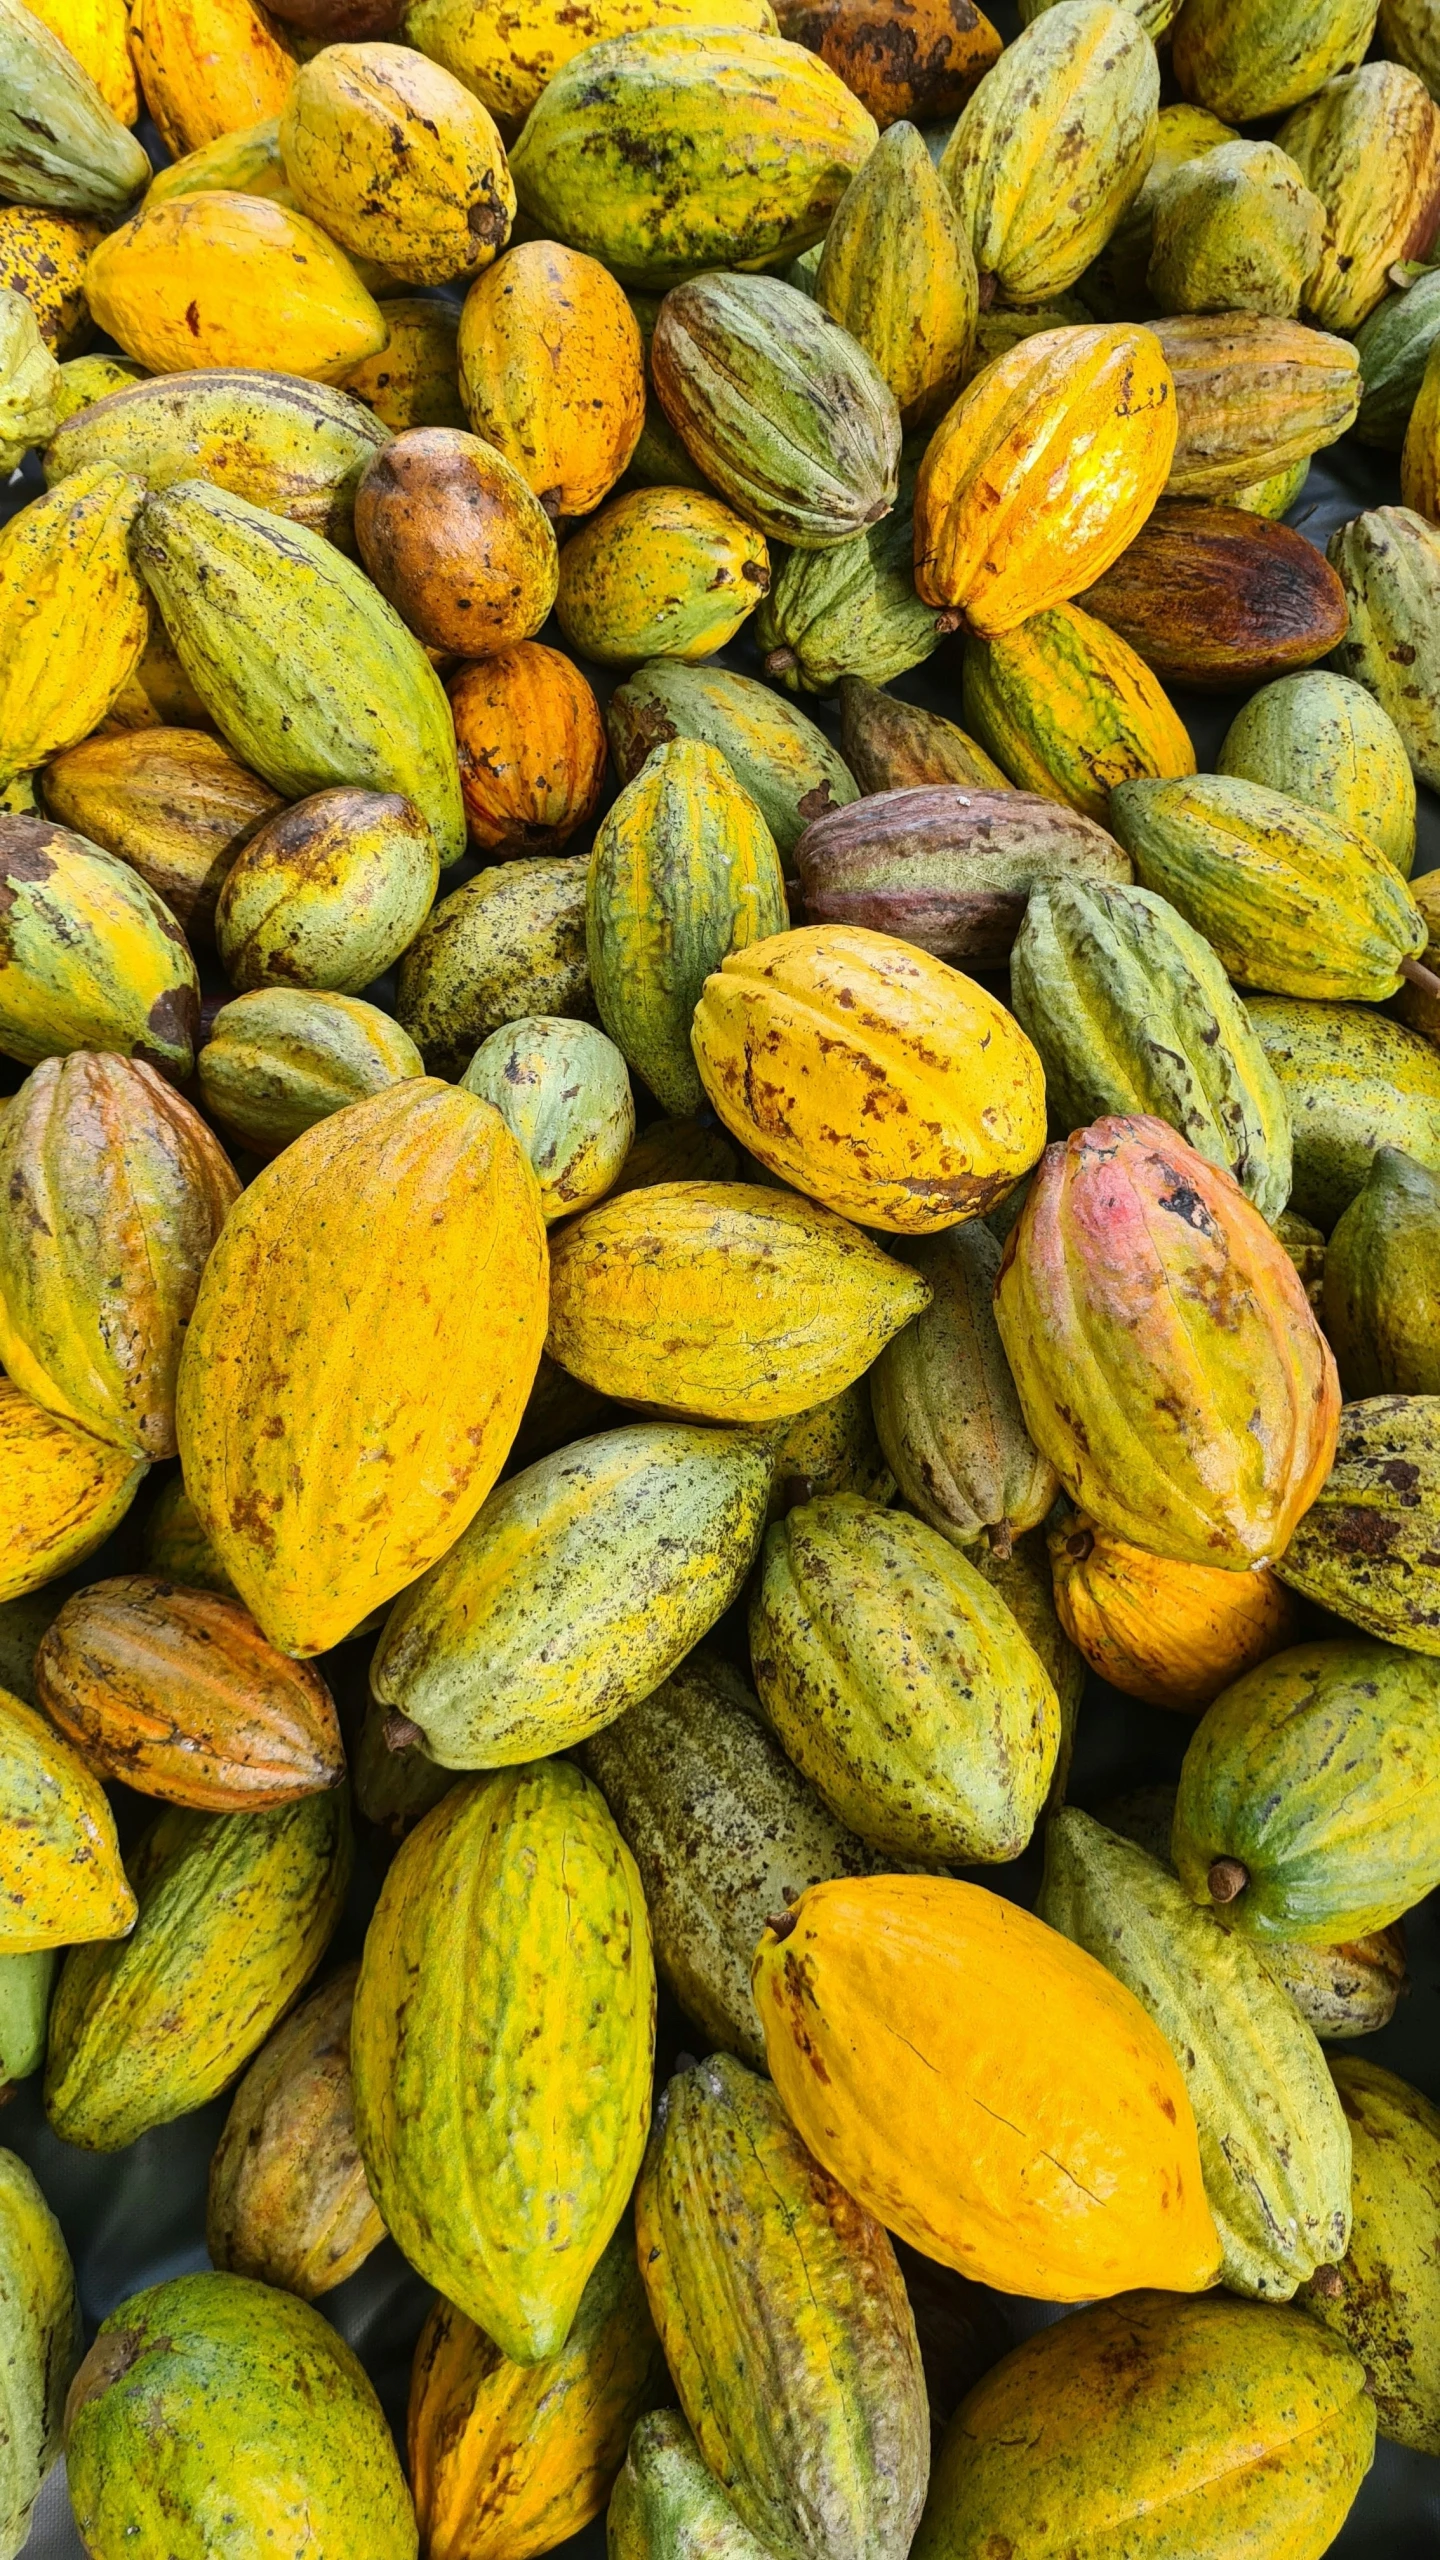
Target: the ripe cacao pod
(1386, 2304)
(1388, 562)
(787, 765)
(172, 803)
(510, 942)
(552, 373)
(246, 162)
(415, 379)
(208, 67)
(665, 573)
(920, 59)
(1354, 1082)
(61, 1493)
(224, 280)
(898, 273)
(1369, 147)
(1256, 68)
(1236, 229)
(1366, 1547)
(456, 540)
(507, 62)
(398, 160)
(327, 893)
(91, 958)
(44, 258)
(288, 2203)
(61, 144)
(1214, 596)
(32, 389)
(1323, 739)
(531, 744)
(42, 2343)
(73, 620)
(894, 746)
(94, 32)
(282, 1058)
(1251, 397)
(61, 1879)
(563, 1091)
(1069, 709)
(1382, 1282)
(1172, 1634)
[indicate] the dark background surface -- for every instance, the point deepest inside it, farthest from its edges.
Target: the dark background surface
(137, 2217)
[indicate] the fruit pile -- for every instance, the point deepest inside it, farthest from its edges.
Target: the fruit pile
(630, 1383)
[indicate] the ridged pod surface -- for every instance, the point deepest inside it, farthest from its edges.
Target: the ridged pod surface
(92, 959)
(1068, 709)
(683, 871)
(1355, 1081)
(509, 2459)
(1165, 1352)
(61, 143)
(531, 745)
(508, 62)
(1386, 2306)
(297, 1315)
(563, 1090)
(42, 2346)
(1172, 1634)
(1382, 1282)
(1053, 146)
(552, 373)
(898, 273)
(307, 672)
(1369, 147)
(31, 389)
(403, 165)
(1045, 468)
(208, 67)
(785, 2323)
(1325, 740)
(1236, 229)
(667, 2503)
(1309, 1803)
(872, 1076)
(172, 803)
(892, 745)
(781, 409)
(764, 1302)
(775, 752)
(327, 893)
(666, 573)
(1251, 396)
(578, 1587)
(72, 615)
(1218, 596)
(1290, 900)
(1394, 347)
(1130, 1011)
(266, 287)
(723, 1829)
(510, 942)
(502, 2048)
(900, 1685)
(282, 1058)
(176, 1692)
(115, 1193)
(236, 1910)
(1036, 2133)
(287, 2201)
(1274, 2145)
(295, 448)
(1388, 562)
(850, 610)
(1110, 2428)
(945, 1405)
(1366, 1548)
(61, 1879)
(682, 149)
(61, 1493)
(1271, 62)
(142, 2475)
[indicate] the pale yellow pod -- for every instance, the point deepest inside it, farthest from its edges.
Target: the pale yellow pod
(73, 615)
(207, 67)
(221, 280)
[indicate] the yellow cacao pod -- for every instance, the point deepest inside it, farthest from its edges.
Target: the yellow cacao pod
(61, 1493)
(73, 620)
(1173, 1634)
(1070, 710)
(398, 160)
(1252, 396)
(414, 380)
(898, 273)
(507, 55)
(44, 256)
(552, 372)
(660, 573)
(208, 67)
(1247, 63)
(219, 280)
(173, 803)
(95, 32)
(1369, 148)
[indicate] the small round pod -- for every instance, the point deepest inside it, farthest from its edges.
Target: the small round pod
(660, 573)
(564, 1090)
(327, 893)
(531, 747)
(455, 539)
(1325, 740)
(398, 160)
(552, 372)
(1235, 230)
(280, 1058)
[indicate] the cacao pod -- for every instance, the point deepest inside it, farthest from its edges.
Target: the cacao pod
(224, 280)
(552, 373)
(894, 746)
(208, 67)
(61, 143)
(898, 273)
(327, 893)
(507, 62)
(531, 745)
(1024, 1582)
(831, 1449)
(1271, 61)
(172, 803)
(73, 620)
(1393, 346)
(851, 609)
(563, 1091)
(1214, 596)
(1323, 739)
(42, 2344)
(1173, 1634)
(415, 379)
(1354, 1082)
(1388, 562)
(510, 942)
(288, 2203)
(920, 59)
(1386, 2304)
(1368, 146)
(663, 573)
(1366, 1547)
(1069, 709)
(61, 1493)
(1115, 281)
(25, 1985)
(44, 258)
(667, 2503)
(1406, 35)
(1343, 1991)
(787, 765)
(31, 385)
(61, 1879)
(456, 541)
(176, 1547)
(91, 958)
(1382, 1281)
(398, 160)
(1251, 396)
(281, 1059)
(676, 1151)
(1235, 230)
(94, 32)
(245, 162)
(1420, 457)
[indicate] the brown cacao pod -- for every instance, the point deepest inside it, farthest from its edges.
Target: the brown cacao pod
(1212, 596)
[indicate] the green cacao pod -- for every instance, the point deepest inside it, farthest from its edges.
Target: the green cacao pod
(1114, 286)
(42, 2346)
(1354, 1082)
(60, 144)
(1393, 346)
(1366, 1548)
(1025, 1583)
(305, 669)
(723, 1829)
(1385, 2300)
(659, 573)
(1290, 900)
(328, 893)
(140, 2466)
(295, 448)
(1053, 146)
(502, 2159)
(23, 1623)
(781, 409)
(236, 1910)
(1256, 67)
(682, 871)
(945, 1404)
(775, 752)
(894, 746)
(563, 1090)
(281, 1058)
(1388, 563)
(115, 1192)
(1309, 1803)
(900, 1685)
(1382, 1282)
(26, 1982)
(682, 149)
(578, 1587)
(31, 389)
(667, 2503)
(1274, 2147)
(785, 2324)
(510, 942)
(898, 273)
(1369, 147)
(1323, 739)
(1131, 1011)
(1068, 709)
(1083, 2422)
(91, 958)
(850, 611)
(1407, 34)
(1235, 230)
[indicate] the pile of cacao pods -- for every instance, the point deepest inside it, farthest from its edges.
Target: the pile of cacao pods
(584, 1421)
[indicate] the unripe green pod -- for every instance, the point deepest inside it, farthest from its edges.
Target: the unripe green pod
(787, 765)
(668, 2505)
(281, 1058)
(1382, 1282)
(1394, 348)
(898, 273)
(327, 893)
(1355, 1081)
(60, 144)
(850, 611)
(1237, 230)
(659, 573)
(1324, 740)
(563, 1089)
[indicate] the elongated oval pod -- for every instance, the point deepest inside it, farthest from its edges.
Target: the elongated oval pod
(1323, 739)
(898, 273)
(61, 1493)
(1388, 562)
(1368, 145)
(1386, 2303)
(60, 1874)
(1382, 1282)
(552, 374)
(61, 144)
(1070, 709)
(42, 2344)
(209, 67)
(171, 802)
(281, 1058)
(92, 959)
(287, 2200)
(775, 752)
(266, 286)
(1252, 397)
(73, 622)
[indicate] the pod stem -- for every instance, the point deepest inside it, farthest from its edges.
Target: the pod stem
(1420, 976)
(1227, 1880)
(400, 1734)
(782, 1925)
(780, 661)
